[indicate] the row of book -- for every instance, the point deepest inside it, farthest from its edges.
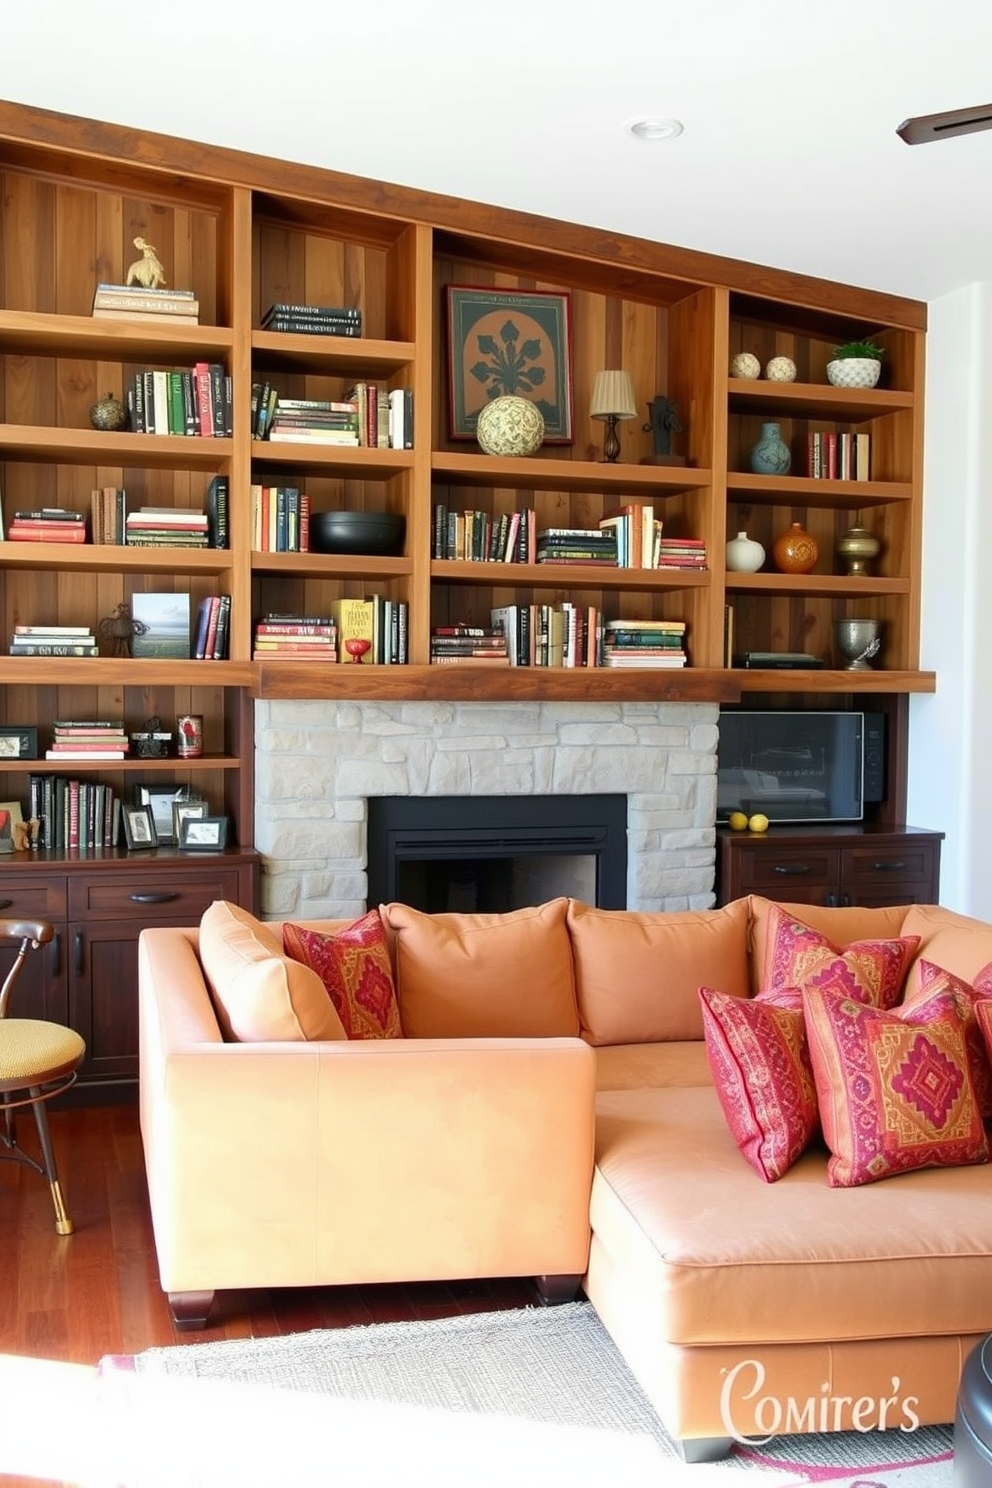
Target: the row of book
(838, 456)
(190, 401)
(212, 639)
(88, 739)
(478, 537)
(53, 640)
(629, 538)
(313, 320)
(571, 635)
(368, 416)
(280, 519)
(73, 814)
(372, 631)
(134, 302)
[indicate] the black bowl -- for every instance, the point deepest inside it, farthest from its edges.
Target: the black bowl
(357, 532)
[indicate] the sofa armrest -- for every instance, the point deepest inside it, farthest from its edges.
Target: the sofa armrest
(320, 1163)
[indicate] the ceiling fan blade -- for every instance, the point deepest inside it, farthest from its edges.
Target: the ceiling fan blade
(926, 127)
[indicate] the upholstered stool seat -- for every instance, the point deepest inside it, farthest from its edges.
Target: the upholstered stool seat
(973, 1420)
(38, 1060)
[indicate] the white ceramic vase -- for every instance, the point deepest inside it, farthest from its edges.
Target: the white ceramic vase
(854, 372)
(744, 554)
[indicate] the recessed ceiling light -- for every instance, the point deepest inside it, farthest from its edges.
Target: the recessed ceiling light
(654, 129)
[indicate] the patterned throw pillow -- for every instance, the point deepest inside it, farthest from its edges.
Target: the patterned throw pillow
(934, 980)
(354, 966)
(894, 1089)
(872, 971)
(757, 1054)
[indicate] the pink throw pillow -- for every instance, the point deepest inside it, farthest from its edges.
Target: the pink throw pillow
(354, 966)
(934, 981)
(872, 971)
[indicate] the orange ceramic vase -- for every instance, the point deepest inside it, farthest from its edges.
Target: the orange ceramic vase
(795, 551)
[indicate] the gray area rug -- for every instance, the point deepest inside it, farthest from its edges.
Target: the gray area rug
(536, 1377)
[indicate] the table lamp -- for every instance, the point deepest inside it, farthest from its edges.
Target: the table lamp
(612, 400)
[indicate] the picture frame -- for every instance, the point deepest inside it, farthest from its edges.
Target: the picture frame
(509, 342)
(186, 810)
(139, 828)
(203, 834)
(10, 817)
(17, 742)
(161, 799)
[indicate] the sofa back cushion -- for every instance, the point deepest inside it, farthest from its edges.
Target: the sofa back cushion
(259, 994)
(954, 942)
(484, 975)
(637, 974)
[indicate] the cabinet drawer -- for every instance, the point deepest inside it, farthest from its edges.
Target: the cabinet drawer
(896, 863)
(180, 896)
(781, 872)
(32, 897)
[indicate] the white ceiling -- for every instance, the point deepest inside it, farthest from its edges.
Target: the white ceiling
(789, 155)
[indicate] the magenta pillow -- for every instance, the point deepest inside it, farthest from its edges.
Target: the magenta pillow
(872, 971)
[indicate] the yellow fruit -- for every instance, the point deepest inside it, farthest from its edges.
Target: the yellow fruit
(758, 823)
(737, 821)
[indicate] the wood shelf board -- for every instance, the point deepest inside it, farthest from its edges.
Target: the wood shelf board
(789, 680)
(131, 765)
(561, 684)
(801, 490)
(831, 315)
(834, 586)
(42, 334)
(316, 217)
(58, 446)
(348, 463)
(814, 400)
(566, 576)
(108, 558)
(331, 565)
(331, 356)
(553, 473)
(113, 671)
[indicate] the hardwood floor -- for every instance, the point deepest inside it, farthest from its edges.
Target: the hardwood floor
(96, 1292)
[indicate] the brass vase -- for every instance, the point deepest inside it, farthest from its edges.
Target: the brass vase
(857, 548)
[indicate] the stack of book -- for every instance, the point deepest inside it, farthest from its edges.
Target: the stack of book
(132, 302)
(48, 524)
(73, 813)
(213, 624)
(313, 420)
(280, 519)
(644, 643)
(313, 320)
(637, 533)
(298, 637)
(108, 508)
(88, 739)
(571, 545)
(681, 552)
(166, 527)
(53, 640)
(469, 645)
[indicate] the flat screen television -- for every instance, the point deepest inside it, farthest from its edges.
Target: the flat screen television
(792, 766)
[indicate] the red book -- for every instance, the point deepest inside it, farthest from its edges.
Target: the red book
(208, 649)
(204, 401)
(57, 532)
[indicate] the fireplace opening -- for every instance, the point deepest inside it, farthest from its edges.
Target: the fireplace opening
(489, 854)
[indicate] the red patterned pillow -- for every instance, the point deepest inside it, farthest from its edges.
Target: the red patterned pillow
(894, 1089)
(934, 980)
(872, 971)
(354, 966)
(757, 1054)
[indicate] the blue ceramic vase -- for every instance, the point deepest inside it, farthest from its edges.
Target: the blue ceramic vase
(770, 455)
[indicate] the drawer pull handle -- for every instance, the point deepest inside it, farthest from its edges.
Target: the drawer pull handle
(889, 865)
(77, 941)
(6, 903)
(792, 869)
(153, 898)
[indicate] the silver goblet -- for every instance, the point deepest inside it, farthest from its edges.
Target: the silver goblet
(857, 641)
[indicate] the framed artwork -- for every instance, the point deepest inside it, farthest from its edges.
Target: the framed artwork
(514, 341)
(186, 810)
(18, 743)
(10, 816)
(160, 800)
(139, 827)
(204, 833)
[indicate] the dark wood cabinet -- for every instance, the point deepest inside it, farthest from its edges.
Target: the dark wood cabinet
(866, 865)
(88, 976)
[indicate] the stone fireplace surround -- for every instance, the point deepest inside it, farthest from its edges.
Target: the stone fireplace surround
(316, 764)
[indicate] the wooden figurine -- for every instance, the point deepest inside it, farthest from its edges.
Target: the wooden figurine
(121, 628)
(147, 270)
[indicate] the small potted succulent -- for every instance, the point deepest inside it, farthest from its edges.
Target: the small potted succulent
(856, 364)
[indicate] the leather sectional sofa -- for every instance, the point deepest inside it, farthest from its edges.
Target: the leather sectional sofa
(551, 1111)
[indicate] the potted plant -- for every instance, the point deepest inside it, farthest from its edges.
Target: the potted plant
(855, 364)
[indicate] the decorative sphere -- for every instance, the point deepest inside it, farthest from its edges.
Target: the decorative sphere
(745, 364)
(758, 822)
(781, 369)
(108, 414)
(510, 426)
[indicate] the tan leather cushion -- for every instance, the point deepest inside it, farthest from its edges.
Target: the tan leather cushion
(637, 975)
(484, 975)
(259, 994)
(954, 942)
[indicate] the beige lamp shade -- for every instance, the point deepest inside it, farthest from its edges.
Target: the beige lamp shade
(613, 396)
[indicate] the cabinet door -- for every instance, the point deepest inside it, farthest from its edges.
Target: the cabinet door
(40, 989)
(103, 1002)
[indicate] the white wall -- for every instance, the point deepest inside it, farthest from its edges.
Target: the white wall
(950, 779)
